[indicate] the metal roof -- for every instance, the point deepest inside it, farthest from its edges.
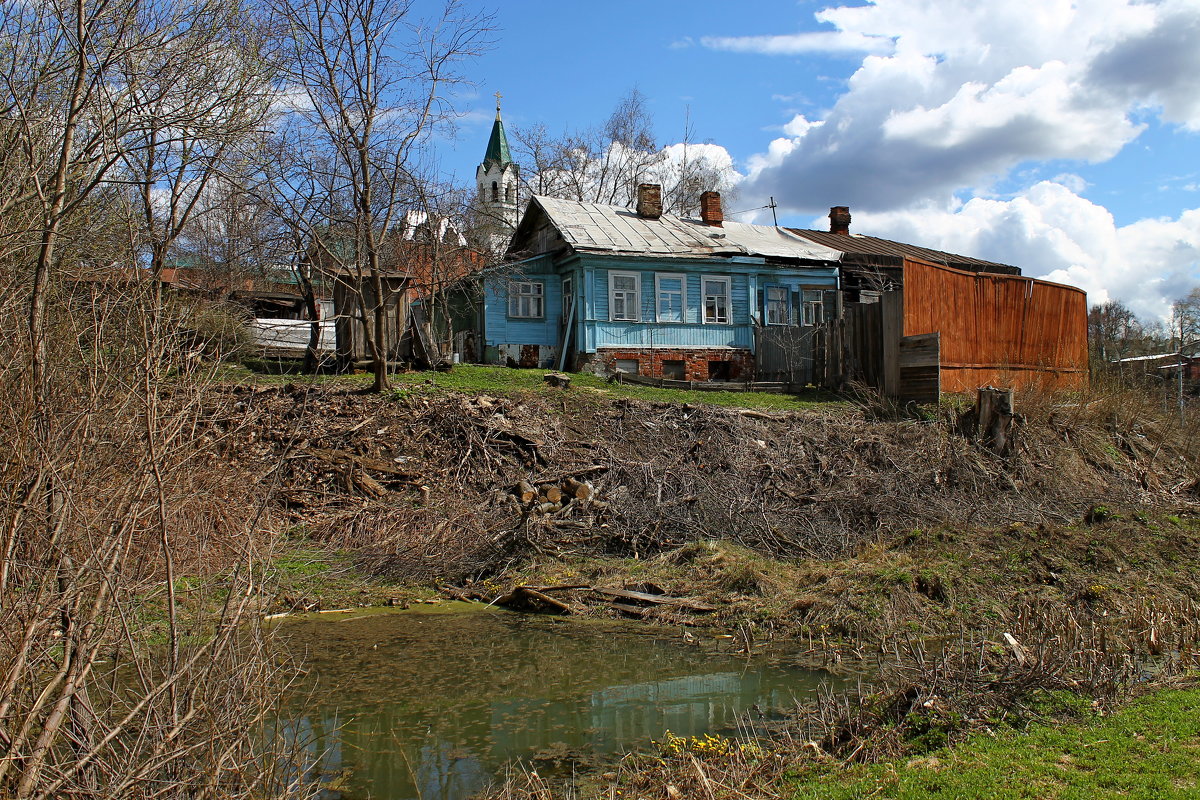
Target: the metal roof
(497, 149)
(860, 248)
(596, 228)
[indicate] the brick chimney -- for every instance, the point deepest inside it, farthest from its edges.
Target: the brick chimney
(649, 200)
(710, 209)
(839, 220)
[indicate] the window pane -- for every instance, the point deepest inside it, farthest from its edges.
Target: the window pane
(624, 282)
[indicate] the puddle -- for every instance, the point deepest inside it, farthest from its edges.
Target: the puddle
(435, 705)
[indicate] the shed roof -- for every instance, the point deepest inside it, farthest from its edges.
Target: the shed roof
(873, 250)
(597, 228)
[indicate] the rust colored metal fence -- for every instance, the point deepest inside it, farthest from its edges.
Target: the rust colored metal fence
(998, 329)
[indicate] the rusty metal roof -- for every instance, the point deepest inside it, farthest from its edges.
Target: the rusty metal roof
(873, 250)
(596, 228)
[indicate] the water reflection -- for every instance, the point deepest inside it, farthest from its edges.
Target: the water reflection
(432, 706)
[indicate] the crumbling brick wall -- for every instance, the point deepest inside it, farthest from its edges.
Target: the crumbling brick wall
(650, 362)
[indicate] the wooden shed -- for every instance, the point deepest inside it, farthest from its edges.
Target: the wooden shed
(948, 330)
(354, 292)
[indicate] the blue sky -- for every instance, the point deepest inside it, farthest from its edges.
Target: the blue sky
(1059, 136)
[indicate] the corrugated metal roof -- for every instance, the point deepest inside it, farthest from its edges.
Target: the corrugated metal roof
(592, 227)
(857, 247)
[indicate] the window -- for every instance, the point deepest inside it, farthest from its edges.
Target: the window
(627, 365)
(624, 289)
(568, 300)
(510, 194)
(525, 299)
(673, 370)
(716, 300)
(814, 307)
(671, 290)
(495, 192)
(778, 312)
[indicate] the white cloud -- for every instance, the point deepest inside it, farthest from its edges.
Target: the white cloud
(797, 43)
(1051, 232)
(967, 90)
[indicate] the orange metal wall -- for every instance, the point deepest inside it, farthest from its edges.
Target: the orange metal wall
(1001, 330)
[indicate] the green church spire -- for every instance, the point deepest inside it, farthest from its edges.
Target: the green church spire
(497, 149)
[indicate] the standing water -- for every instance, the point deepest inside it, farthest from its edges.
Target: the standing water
(436, 705)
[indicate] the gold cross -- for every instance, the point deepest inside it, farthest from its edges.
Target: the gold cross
(498, 96)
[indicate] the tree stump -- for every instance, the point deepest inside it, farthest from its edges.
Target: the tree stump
(996, 424)
(558, 380)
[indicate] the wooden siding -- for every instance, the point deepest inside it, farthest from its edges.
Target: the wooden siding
(502, 329)
(998, 329)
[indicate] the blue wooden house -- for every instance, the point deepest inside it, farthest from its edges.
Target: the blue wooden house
(605, 288)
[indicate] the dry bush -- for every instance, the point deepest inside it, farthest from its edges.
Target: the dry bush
(132, 664)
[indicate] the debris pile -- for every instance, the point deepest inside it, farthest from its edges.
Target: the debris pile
(449, 486)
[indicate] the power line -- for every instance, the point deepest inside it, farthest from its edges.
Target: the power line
(771, 205)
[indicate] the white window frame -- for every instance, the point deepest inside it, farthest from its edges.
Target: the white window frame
(531, 291)
(659, 277)
(812, 303)
(787, 305)
(635, 293)
(728, 281)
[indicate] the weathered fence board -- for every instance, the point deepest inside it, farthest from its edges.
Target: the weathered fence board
(919, 368)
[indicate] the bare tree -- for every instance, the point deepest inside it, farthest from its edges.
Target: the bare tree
(606, 164)
(370, 81)
(194, 118)
(1185, 319)
(99, 460)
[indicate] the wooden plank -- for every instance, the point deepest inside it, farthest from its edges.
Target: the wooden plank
(892, 329)
(657, 599)
(919, 378)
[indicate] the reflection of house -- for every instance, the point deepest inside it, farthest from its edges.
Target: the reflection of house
(603, 287)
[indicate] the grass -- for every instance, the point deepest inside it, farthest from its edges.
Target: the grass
(505, 381)
(1149, 749)
(310, 576)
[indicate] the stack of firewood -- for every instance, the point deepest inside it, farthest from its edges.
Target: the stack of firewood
(552, 496)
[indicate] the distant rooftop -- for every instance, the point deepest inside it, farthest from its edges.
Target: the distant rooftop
(860, 249)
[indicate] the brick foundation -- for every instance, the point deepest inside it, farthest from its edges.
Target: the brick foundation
(695, 362)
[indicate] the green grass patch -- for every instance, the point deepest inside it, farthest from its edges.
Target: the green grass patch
(1149, 749)
(509, 382)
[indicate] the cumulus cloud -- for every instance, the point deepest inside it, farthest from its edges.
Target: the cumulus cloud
(964, 91)
(1051, 232)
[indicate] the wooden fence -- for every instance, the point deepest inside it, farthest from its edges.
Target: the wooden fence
(954, 331)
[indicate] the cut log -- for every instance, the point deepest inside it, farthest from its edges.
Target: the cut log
(578, 489)
(524, 491)
(521, 596)
(657, 599)
(552, 493)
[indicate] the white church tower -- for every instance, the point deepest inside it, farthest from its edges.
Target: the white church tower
(497, 181)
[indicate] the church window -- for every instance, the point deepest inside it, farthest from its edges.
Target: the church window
(510, 194)
(495, 192)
